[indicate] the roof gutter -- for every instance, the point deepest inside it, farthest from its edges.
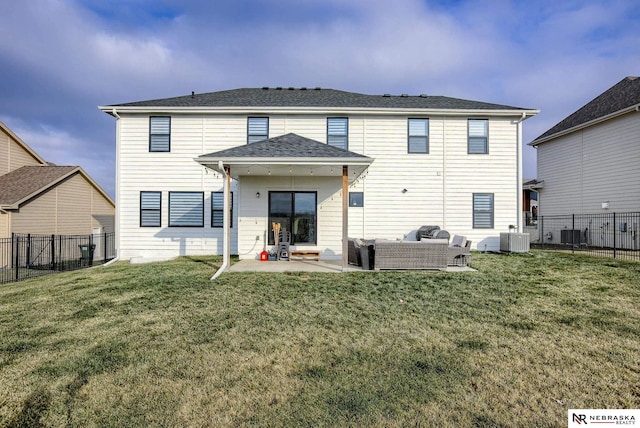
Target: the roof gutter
(313, 109)
(631, 109)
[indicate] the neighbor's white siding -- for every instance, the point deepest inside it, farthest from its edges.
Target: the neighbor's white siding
(439, 184)
(591, 166)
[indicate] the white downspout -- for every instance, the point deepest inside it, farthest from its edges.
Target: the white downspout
(225, 225)
(519, 174)
(116, 224)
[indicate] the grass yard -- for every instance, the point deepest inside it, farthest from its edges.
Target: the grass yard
(515, 344)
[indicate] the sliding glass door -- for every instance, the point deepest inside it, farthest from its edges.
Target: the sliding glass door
(297, 213)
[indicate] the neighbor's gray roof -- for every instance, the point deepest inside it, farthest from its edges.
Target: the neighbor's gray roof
(27, 180)
(315, 97)
(285, 146)
(622, 95)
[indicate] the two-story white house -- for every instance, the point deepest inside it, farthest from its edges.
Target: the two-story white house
(323, 163)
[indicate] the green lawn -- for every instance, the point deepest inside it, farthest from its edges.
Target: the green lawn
(516, 343)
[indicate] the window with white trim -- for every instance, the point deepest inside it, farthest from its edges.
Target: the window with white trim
(418, 131)
(257, 129)
(483, 210)
(478, 130)
(186, 209)
(159, 134)
(217, 209)
(338, 132)
(150, 209)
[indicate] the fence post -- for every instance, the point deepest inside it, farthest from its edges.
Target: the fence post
(53, 252)
(17, 256)
(28, 263)
(573, 228)
(541, 235)
(614, 234)
(104, 244)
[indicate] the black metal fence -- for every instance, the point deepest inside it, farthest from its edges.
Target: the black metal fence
(26, 256)
(614, 235)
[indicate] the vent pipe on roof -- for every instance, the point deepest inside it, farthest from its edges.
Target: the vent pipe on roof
(193, 94)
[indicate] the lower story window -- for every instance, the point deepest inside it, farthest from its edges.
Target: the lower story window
(356, 199)
(483, 210)
(186, 209)
(150, 204)
(217, 209)
(296, 212)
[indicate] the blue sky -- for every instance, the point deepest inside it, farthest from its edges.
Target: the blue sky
(60, 59)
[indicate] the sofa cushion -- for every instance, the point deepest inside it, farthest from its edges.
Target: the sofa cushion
(458, 241)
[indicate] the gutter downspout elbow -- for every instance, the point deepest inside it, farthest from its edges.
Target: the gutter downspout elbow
(225, 220)
(115, 113)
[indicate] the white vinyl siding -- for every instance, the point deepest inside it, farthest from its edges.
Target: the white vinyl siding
(257, 129)
(483, 211)
(478, 136)
(186, 209)
(150, 209)
(338, 132)
(418, 138)
(159, 134)
(439, 186)
(217, 209)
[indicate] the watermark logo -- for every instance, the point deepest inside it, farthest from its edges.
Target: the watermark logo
(600, 417)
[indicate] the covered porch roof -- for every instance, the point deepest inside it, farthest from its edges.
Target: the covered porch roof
(287, 155)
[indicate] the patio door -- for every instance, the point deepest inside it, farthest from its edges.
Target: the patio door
(297, 213)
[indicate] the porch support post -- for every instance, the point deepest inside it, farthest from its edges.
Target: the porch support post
(345, 216)
(227, 217)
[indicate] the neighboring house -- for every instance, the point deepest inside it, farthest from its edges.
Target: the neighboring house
(588, 162)
(530, 201)
(323, 163)
(39, 198)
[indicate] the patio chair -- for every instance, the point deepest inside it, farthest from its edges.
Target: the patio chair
(459, 251)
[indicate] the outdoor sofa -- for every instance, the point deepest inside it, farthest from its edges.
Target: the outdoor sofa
(424, 254)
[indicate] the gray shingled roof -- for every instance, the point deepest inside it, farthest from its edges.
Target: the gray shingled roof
(27, 180)
(315, 97)
(622, 95)
(285, 146)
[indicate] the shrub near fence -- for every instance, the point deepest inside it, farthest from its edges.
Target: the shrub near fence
(614, 235)
(26, 256)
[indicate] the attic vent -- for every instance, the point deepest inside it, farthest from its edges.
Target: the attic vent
(291, 88)
(423, 95)
(279, 88)
(404, 95)
(387, 95)
(265, 88)
(304, 88)
(317, 88)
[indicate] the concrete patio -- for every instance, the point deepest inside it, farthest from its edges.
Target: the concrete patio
(325, 266)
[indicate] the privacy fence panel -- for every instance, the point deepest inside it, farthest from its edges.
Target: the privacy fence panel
(609, 234)
(26, 256)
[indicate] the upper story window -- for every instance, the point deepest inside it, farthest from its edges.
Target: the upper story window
(418, 136)
(478, 136)
(257, 129)
(338, 132)
(159, 134)
(483, 210)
